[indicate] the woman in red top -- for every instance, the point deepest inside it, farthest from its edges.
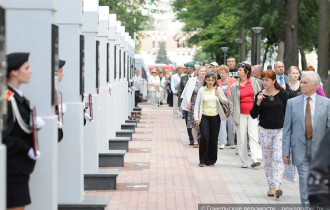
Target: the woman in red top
(241, 97)
(225, 83)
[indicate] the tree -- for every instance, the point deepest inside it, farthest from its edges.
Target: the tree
(291, 35)
(323, 51)
(129, 13)
(162, 55)
(212, 24)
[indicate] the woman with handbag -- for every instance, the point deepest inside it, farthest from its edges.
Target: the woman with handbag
(225, 83)
(208, 114)
(269, 105)
(18, 136)
(241, 100)
(189, 96)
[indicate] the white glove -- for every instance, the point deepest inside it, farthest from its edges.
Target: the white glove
(62, 108)
(32, 156)
(39, 123)
(86, 104)
(59, 124)
(87, 117)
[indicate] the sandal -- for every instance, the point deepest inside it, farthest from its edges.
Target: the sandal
(270, 193)
(255, 164)
(278, 193)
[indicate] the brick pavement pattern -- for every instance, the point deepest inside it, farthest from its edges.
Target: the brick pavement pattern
(161, 171)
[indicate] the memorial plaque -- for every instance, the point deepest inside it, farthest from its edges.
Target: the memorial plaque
(54, 63)
(114, 62)
(124, 64)
(3, 72)
(98, 65)
(82, 64)
(119, 64)
(108, 62)
(128, 69)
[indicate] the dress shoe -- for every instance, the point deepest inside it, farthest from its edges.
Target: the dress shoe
(255, 164)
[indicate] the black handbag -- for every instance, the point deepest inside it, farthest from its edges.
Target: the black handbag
(140, 97)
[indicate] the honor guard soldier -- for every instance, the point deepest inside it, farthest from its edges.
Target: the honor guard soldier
(18, 134)
(60, 108)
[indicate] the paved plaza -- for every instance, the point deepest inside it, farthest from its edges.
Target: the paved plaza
(161, 171)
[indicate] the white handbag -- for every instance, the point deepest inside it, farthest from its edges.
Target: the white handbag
(289, 172)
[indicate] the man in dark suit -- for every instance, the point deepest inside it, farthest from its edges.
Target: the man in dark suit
(190, 68)
(279, 70)
(319, 176)
(307, 119)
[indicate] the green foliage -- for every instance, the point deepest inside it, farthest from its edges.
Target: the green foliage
(129, 12)
(162, 55)
(212, 24)
(201, 56)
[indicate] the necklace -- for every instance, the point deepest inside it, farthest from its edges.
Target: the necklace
(271, 97)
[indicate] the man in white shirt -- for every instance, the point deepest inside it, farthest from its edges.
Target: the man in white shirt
(175, 82)
(307, 119)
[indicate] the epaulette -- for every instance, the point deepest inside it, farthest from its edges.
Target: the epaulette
(9, 95)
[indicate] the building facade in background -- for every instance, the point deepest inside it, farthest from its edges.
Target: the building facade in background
(165, 29)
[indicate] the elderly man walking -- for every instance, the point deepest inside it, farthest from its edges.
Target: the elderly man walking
(307, 119)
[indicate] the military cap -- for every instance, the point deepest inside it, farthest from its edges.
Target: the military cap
(190, 64)
(16, 60)
(61, 63)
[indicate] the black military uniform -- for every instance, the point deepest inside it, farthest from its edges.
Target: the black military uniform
(18, 142)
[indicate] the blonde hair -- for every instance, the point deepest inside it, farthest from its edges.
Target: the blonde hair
(292, 68)
(224, 67)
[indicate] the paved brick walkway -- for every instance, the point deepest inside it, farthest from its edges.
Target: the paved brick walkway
(161, 171)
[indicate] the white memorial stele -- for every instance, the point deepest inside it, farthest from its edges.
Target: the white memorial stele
(28, 29)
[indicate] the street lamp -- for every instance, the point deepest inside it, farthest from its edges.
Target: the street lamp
(257, 32)
(224, 50)
(239, 42)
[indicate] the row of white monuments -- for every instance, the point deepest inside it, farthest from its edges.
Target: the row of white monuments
(99, 57)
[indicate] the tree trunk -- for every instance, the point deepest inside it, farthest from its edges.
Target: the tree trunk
(323, 43)
(265, 55)
(218, 58)
(253, 48)
(303, 59)
(280, 51)
(291, 34)
(243, 48)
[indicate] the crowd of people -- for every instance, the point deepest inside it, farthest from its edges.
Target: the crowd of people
(282, 119)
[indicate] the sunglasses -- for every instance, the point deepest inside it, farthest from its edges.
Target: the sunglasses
(153, 72)
(241, 65)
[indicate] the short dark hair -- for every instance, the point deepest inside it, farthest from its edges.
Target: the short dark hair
(246, 67)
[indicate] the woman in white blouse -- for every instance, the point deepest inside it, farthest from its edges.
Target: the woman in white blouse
(208, 114)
